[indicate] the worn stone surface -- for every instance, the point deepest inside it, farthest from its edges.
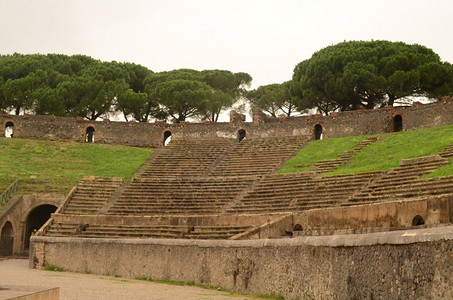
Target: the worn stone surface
(413, 264)
(17, 211)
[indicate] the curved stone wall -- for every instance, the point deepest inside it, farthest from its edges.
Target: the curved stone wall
(413, 264)
(360, 122)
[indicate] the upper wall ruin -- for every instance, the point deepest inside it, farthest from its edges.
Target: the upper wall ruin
(349, 123)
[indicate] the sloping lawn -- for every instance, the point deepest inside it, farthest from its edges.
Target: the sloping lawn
(379, 156)
(58, 165)
(386, 153)
(320, 150)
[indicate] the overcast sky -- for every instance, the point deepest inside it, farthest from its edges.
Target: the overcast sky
(263, 38)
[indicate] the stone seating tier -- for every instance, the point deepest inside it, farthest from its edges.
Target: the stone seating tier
(179, 196)
(186, 158)
(325, 166)
(258, 156)
(91, 194)
(391, 184)
(286, 193)
(144, 231)
(416, 189)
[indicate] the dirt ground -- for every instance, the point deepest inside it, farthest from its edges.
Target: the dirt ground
(86, 286)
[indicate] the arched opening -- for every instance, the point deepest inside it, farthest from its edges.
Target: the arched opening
(7, 240)
(318, 132)
(9, 129)
(37, 217)
(418, 220)
(89, 137)
(167, 137)
(297, 227)
(242, 134)
(397, 123)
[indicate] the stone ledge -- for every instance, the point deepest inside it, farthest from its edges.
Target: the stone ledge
(400, 237)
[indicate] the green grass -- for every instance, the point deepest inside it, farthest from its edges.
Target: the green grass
(379, 156)
(57, 165)
(320, 150)
(386, 154)
(192, 283)
(442, 171)
(54, 268)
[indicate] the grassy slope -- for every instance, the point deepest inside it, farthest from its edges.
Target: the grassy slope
(60, 165)
(320, 150)
(386, 153)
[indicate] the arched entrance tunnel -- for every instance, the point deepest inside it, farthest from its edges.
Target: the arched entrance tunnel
(7, 240)
(37, 217)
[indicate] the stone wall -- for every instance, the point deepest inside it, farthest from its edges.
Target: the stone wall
(414, 264)
(433, 210)
(349, 123)
(17, 210)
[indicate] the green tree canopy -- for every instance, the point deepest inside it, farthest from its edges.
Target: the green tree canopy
(215, 89)
(274, 99)
(227, 88)
(183, 98)
(357, 74)
(79, 85)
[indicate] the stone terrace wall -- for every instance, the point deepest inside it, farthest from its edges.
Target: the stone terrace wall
(413, 264)
(360, 122)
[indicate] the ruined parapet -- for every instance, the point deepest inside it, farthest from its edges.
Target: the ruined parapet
(259, 117)
(236, 118)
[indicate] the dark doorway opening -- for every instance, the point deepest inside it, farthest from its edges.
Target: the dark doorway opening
(242, 134)
(7, 240)
(297, 227)
(90, 135)
(167, 138)
(318, 132)
(418, 220)
(9, 129)
(37, 217)
(397, 123)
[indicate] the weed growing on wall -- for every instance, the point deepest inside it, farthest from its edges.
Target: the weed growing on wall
(55, 268)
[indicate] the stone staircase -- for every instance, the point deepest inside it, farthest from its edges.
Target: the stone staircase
(208, 195)
(63, 229)
(448, 153)
(258, 156)
(183, 158)
(91, 194)
(404, 181)
(333, 190)
(299, 191)
(325, 166)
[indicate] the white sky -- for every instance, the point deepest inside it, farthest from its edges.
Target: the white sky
(263, 38)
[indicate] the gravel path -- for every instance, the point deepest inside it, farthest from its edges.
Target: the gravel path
(87, 286)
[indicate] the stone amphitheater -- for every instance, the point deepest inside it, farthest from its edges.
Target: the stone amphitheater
(210, 207)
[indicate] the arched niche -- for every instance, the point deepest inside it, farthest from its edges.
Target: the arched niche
(297, 227)
(318, 131)
(166, 137)
(36, 218)
(7, 239)
(418, 220)
(89, 134)
(9, 129)
(242, 134)
(398, 122)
